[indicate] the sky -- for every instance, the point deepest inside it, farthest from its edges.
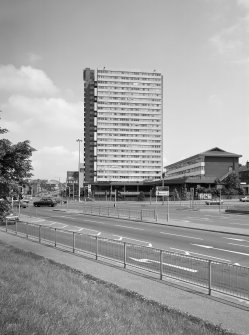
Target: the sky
(200, 46)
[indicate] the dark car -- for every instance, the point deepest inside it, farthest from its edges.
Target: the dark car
(45, 202)
(214, 202)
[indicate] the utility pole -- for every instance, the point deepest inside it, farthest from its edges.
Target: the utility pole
(79, 140)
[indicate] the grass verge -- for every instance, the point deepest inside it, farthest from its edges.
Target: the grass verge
(38, 296)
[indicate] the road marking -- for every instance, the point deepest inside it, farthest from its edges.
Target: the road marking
(47, 223)
(237, 224)
(94, 221)
(235, 239)
(243, 301)
(186, 221)
(198, 218)
(121, 238)
(38, 220)
(61, 225)
(117, 225)
(195, 238)
(188, 253)
(204, 246)
(231, 251)
(240, 245)
(145, 260)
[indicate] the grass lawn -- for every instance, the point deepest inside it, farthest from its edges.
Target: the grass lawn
(38, 296)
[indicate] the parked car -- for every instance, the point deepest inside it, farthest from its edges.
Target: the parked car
(25, 200)
(45, 202)
(214, 202)
(89, 199)
(244, 199)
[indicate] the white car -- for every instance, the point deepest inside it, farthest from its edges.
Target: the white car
(245, 199)
(12, 218)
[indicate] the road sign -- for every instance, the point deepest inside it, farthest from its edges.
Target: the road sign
(162, 191)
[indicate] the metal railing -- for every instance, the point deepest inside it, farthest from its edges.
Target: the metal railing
(216, 276)
(118, 212)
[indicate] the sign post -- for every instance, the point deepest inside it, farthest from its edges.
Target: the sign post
(219, 187)
(163, 191)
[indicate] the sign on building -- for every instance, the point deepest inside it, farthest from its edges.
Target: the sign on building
(204, 196)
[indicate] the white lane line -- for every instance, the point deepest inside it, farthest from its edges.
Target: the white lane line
(120, 238)
(54, 223)
(237, 224)
(61, 225)
(194, 238)
(187, 221)
(48, 223)
(38, 220)
(93, 221)
(240, 245)
(118, 225)
(188, 253)
(133, 239)
(231, 251)
(198, 218)
(204, 246)
(145, 260)
(236, 239)
(78, 229)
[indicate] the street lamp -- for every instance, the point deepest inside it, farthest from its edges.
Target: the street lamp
(79, 140)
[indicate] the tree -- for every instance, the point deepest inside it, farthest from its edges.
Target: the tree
(15, 166)
(2, 130)
(231, 182)
(141, 196)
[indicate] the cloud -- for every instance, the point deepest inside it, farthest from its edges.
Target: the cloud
(215, 101)
(57, 150)
(243, 3)
(33, 58)
(26, 79)
(231, 42)
(54, 162)
(34, 109)
(37, 113)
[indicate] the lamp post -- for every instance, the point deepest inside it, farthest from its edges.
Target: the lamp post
(79, 140)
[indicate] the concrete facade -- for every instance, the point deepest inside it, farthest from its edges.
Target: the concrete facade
(123, 126)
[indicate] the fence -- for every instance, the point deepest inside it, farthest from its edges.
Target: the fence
(214, 276)
(118, 212)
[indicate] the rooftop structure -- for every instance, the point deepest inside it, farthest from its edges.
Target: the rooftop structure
(204, 167)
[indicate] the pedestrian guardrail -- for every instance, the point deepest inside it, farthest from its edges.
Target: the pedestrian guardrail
(118, 212)
(216, 276)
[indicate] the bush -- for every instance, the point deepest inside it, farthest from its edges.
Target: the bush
(4, 210)
(141, 196)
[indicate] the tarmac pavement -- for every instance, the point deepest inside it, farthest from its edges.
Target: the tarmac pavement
(228, 315)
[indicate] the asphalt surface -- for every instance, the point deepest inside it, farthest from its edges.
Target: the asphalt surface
(198, 243)
(231, 315)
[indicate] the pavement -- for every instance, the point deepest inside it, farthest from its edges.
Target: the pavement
(227, 314)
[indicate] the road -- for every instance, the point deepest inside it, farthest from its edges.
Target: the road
(216, 246)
